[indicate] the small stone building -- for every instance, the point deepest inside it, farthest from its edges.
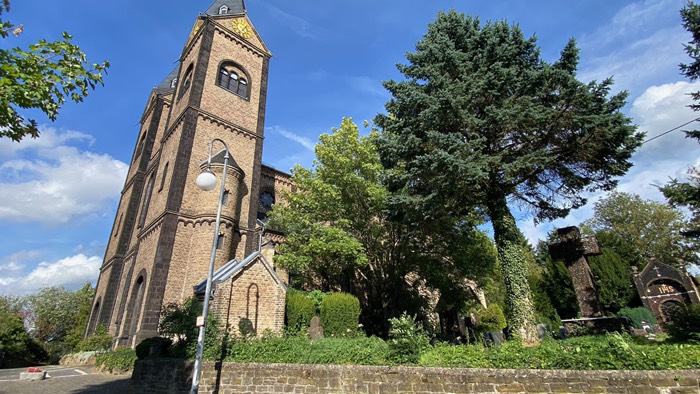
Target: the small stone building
(249, 291)
(662, 287)
(161, 240)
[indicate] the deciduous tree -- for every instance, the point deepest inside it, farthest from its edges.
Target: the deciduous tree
(43, 77)
(482, 120)
(653, 229)
(338, 235)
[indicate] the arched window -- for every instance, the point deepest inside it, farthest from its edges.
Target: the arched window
(162, 179)
(234, 79)
(223, 10)
(186, 81)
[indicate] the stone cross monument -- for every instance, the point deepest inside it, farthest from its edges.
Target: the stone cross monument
(573, 249)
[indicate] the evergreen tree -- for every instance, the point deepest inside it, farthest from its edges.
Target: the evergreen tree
(679, 193)
(613, 280)
(482, 120)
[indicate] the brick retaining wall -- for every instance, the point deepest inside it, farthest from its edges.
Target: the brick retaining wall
(170, 376)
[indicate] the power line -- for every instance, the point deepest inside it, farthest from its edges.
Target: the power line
(671, 130)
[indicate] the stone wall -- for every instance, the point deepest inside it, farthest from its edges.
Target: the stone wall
(169, 376)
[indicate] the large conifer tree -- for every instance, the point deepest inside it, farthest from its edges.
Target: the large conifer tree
(482, 120)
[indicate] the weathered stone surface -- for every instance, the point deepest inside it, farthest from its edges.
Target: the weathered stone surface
(169, 376)
(315, 329)
(32, 376)
(573, 249)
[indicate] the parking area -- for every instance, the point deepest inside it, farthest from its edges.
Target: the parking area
(62, 379)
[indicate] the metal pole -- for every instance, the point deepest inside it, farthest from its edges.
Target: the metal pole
(207, 293)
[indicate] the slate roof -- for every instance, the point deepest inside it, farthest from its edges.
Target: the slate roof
(232, 268)
(218, 158)
(166, 85)
(235, 7)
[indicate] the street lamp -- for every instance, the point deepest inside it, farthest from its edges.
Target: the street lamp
(207, 181)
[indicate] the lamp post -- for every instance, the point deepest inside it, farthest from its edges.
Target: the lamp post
(207, 181)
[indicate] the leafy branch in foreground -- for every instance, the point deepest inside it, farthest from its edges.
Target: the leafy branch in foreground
(42, 77)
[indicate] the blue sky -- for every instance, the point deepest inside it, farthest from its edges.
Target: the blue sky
(58, 193)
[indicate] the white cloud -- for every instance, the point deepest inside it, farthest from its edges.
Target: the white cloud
(643, 42)
(367, 85)
(70, 272)
(303, 141)
(53, 183)
(298, 25)
(658, 109)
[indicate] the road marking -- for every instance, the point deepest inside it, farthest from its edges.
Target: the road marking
(80, 372)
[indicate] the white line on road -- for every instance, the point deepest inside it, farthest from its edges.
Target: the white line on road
(81, 372)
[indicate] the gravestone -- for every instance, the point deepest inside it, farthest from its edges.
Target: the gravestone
(573, 249)
(315, 329)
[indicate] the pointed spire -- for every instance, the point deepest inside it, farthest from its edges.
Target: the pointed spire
(226, 7)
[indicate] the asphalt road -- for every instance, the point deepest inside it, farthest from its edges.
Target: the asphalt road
(62, 379)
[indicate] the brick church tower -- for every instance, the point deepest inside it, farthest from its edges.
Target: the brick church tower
(161, 239)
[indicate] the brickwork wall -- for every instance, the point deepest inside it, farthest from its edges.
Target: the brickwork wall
(156, 376)
(253, 294)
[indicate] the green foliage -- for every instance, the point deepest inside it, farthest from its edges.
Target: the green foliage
(407, 340)
(638, 315)
(159, 345)
(317, 296)
(58, 317)
(492, 318)
(42, 77)
(687, 194)
(301, 350)
(608, 352)
(15, 342)
(482, 120)
(341, 234)
(99, 340)
(340, 314)
(521, 316)
(544, 307)
(300, 310)
(652, 228)
(685, 322)
(83, 302)
(613, 280)
(121, 360)
(178, 322)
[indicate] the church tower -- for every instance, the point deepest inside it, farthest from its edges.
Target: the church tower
(161, 239)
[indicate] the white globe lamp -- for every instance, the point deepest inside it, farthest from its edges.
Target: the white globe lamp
(206, 181)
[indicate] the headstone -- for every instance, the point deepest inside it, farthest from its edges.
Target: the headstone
(573, 249)
(315, 329)
(543, 330)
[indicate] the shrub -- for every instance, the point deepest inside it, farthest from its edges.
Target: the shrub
(302, 350)
(407, 340)
(637, 315)
(121, 360)
(685, 322)
(340, 314)
(492, 319)
(159, 345)
(100, 340)
(300, 310)
(317, 296)
(179, 323)
(602, 352)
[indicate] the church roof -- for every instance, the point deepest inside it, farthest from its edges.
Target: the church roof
(168, 85)
(234, 7)
(232, 268)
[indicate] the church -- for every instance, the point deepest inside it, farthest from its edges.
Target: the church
(161, 241)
